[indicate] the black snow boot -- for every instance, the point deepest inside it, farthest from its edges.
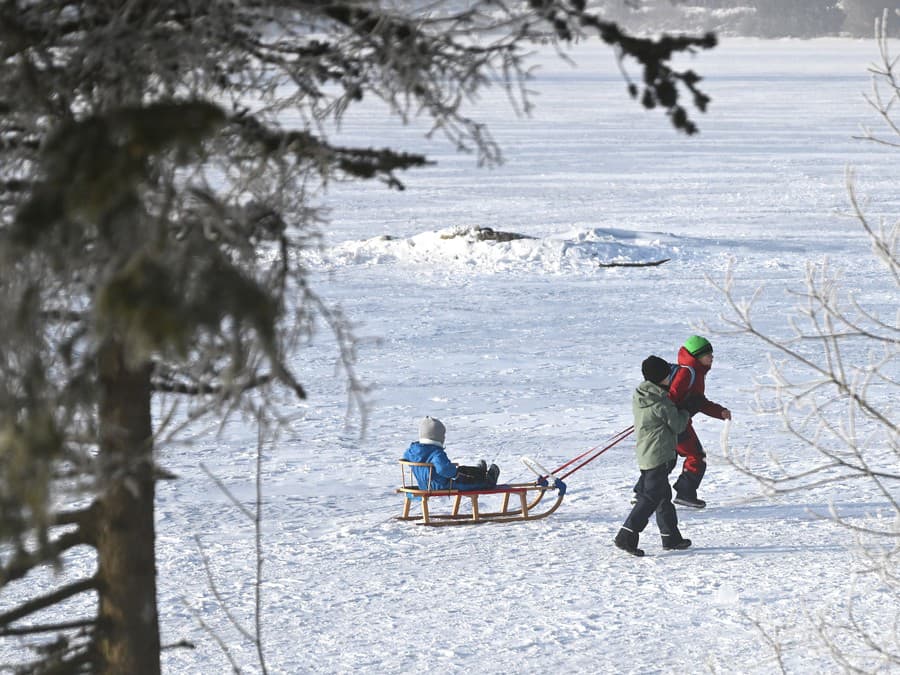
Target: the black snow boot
(628, 541)
(473, 474)
(689, 500)
(493, 474)
(675, 542)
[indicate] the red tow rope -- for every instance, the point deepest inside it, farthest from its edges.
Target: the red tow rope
(618, 438)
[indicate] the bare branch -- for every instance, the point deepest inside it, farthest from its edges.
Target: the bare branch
(215, 636)
(210, 579)
(773, 642)
(228, 493)
(258, 548)
(833, 385)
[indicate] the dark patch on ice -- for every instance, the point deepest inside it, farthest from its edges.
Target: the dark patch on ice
(485, 234)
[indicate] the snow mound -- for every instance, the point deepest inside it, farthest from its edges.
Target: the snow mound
(491, 251)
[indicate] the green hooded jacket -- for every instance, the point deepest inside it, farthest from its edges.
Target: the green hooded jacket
(657, 423)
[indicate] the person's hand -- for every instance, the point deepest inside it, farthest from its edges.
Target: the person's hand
(726, 414)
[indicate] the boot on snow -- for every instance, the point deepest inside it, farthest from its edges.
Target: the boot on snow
(675, 542)
(628, 541)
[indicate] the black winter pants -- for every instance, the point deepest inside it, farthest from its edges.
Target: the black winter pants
(654, 494)
(474, 478)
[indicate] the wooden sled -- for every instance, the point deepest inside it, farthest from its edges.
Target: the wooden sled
(524, 497)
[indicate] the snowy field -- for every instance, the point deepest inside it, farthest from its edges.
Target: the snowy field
(531, 348)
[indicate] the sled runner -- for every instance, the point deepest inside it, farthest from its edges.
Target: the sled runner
(520, 501)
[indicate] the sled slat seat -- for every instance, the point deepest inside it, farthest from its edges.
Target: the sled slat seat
(522, 511)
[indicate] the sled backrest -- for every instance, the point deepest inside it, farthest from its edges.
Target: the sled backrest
(409, 475)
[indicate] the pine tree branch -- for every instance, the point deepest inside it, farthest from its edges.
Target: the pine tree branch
(62, 315)
(167, 385)
(48, 627)
(165, 381)
(44, 601)
(75, 517)
(25, 561)
(65, 656)
(364, 163)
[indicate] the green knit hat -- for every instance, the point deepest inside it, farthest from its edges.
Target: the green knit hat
(698, 346)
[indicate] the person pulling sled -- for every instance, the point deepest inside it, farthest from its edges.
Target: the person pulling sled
(657, 423)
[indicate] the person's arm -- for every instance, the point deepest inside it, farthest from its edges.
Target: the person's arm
(715, 410)
(680, 394)
(675, 418)
(442, 465)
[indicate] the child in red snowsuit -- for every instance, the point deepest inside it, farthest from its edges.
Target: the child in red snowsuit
(695, 357)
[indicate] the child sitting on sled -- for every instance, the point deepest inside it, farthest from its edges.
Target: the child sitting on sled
(446, 475)
(657, 423)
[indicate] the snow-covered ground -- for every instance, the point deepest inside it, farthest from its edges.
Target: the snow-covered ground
(529, 347)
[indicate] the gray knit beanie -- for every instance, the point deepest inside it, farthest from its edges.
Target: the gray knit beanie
(432, 432)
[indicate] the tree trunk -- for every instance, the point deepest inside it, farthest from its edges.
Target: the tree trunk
(128, 629)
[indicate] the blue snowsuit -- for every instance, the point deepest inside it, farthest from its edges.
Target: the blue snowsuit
(445, 475)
